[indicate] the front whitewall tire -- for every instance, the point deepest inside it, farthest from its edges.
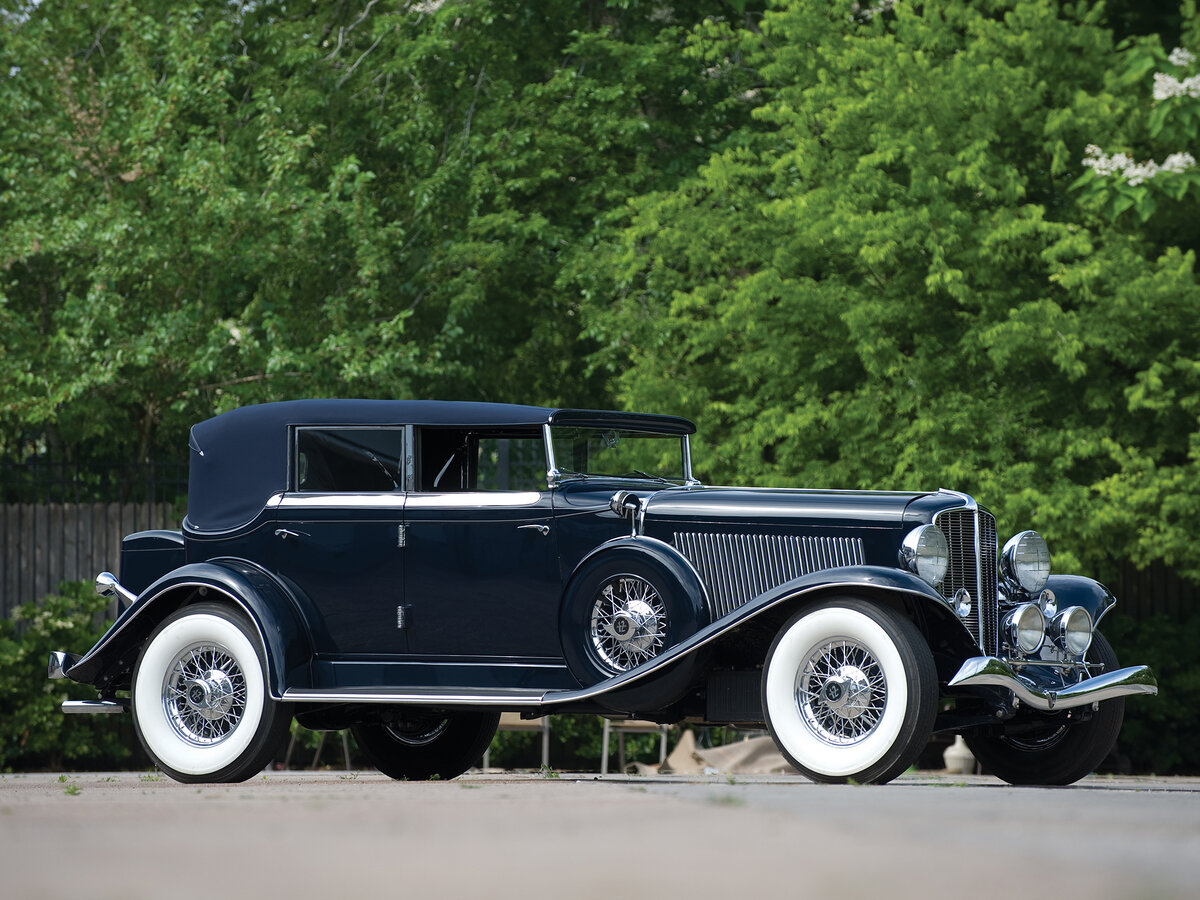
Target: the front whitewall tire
(850, 692)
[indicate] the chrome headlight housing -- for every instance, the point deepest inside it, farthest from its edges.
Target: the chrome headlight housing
(1026, 561)
(1072, 630)
(1026, 627)
(926, 553)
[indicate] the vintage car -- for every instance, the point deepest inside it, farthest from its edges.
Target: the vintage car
(411, 569)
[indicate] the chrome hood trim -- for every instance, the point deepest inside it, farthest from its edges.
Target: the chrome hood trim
(988, 671)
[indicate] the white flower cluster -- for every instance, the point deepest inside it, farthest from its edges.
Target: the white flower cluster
(1135, 172)
(1182, 58)
(1168, 86)
(863, 12)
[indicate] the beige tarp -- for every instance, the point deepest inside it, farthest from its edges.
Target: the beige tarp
(753, 756)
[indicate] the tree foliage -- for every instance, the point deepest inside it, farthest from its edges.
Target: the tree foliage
(210, 204)
(885, 279)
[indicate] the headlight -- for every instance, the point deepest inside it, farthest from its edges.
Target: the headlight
(1072, 629)
(1026, 627)
(926, 553)
(1026, 560)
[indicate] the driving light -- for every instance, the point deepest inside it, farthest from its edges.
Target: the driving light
(926, 553)
(1072, 629)
(1026, 627)
(1026, 560)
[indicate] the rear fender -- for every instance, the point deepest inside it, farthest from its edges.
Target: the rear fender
(244, 585)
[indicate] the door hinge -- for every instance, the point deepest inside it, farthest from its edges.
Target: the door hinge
(402, 536)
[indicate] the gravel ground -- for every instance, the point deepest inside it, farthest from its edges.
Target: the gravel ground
(333, 834)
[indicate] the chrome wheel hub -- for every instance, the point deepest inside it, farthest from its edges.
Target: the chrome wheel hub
(840, 692)
(204, 695)
(210, 696)
(628, 622)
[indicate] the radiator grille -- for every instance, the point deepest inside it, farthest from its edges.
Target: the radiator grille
(973, 569)
(736, 568)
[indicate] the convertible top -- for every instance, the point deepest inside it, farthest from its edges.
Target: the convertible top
(239, 459)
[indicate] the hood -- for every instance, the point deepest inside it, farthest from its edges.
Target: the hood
(795, 506)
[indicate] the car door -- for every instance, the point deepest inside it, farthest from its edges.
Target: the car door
(340, 537)
(482, 579)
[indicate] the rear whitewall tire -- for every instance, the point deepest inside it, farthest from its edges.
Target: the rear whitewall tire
(875, 654)
(226, 736)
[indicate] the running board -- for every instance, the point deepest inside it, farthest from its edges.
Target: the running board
(426, 696)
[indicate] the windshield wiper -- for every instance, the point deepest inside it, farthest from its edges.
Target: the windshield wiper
(638, 473)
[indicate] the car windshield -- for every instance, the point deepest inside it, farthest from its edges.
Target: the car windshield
(618, 453)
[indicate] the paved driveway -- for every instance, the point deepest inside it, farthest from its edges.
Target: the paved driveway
(360, 835)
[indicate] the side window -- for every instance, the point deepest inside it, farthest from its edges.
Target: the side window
(349, 460)
(454, 459)
(512, 463)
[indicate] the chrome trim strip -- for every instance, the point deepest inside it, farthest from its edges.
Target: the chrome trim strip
(988, 671)
(390, 500)
(475, 499)
(399, 500)
(91, 707)
(689, 477)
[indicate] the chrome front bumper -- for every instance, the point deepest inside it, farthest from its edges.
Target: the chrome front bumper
(988, 671)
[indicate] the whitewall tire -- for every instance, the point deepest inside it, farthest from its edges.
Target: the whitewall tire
(850, 692)
(200, 702)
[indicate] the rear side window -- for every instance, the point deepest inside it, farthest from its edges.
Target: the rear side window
(349, 460)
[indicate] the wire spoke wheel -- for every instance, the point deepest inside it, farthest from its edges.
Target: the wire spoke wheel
(204, 694)
(841, 692)
(628, 624)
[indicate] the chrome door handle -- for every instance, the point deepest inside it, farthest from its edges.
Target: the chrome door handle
(286, 533)
(541, 529)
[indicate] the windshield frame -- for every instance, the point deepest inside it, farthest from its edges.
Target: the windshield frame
(556, 476)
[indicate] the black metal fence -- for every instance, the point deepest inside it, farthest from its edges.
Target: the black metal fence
(64, 522)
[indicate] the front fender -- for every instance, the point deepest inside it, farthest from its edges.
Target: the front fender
(264, 599)
(1076, 590)
(874, 580)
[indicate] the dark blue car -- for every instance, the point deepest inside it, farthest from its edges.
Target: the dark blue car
(411, 569)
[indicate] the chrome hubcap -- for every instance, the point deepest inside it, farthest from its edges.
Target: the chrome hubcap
(628, 623)
(204, 695)
(840, 692)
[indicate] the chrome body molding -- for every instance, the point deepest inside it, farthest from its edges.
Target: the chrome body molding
(736, 568)
(92, 707)
(989, 671)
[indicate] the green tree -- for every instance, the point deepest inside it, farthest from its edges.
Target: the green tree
(886, 281)
(204, 205)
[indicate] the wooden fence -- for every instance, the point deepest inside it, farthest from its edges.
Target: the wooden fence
(44, 544)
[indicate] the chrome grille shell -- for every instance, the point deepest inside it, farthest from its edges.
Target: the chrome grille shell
(736, 568)
(971, 534)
